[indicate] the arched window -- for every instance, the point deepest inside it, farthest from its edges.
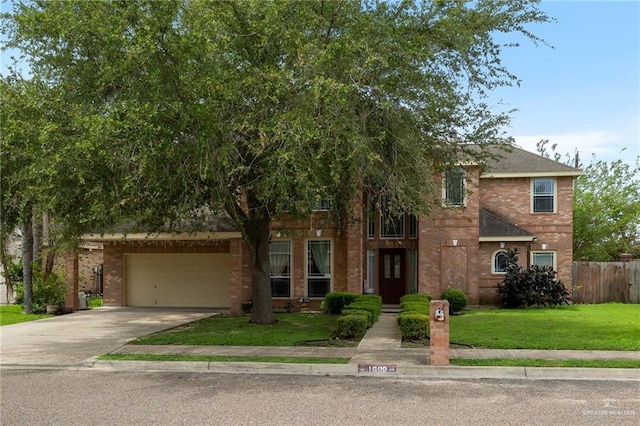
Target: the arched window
(500, 262)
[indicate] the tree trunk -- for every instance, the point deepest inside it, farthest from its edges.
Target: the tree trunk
(27, 262)
(5, 259)
(258, 234)
(50, 252)
(37, 237)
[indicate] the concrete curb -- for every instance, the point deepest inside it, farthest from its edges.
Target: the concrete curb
(430, 372)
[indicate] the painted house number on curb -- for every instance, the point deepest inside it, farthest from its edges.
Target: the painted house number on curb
(376, 368)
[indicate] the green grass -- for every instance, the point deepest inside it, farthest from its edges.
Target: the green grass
(610, 326)
(94, 302)
(527, 362)
(12, 314)
(227, 330)
(223, 358)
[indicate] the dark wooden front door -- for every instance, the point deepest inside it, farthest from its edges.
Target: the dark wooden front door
(393, 283)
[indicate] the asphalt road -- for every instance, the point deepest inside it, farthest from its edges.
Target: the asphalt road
(90, 397)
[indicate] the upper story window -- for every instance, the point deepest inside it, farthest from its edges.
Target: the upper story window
(454, 184)
(543, 199)
(391, 226)
(371, 218)
(321, 204)
(500, 262)
(413, 226)
(280, 259)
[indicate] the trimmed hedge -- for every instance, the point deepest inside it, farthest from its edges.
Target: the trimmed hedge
(351, 326)
(413, 320)
(413, 326)
(335, 302)
(366, 307)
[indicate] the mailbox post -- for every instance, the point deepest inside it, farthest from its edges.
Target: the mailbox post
(439, 332)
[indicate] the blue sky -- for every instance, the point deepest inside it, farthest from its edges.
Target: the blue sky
(584, 93)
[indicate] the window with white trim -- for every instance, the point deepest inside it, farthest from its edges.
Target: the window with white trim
(318, 268)
(543, 195)
(280, 259)
(454, 188)
(544, 258)
(500, 259)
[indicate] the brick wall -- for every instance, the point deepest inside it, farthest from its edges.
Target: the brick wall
(511, 198)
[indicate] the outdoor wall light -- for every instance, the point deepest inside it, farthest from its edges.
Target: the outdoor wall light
(278, 234)
(501, 244)
(544, 246)
(455, 242)
(318, 232)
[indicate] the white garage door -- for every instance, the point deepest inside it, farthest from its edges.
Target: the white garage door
(177, 280)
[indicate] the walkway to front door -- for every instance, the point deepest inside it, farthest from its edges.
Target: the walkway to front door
(392, 283)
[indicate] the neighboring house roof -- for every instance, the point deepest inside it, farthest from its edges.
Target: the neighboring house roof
(495, 228)
(208, 227)
(517, 162)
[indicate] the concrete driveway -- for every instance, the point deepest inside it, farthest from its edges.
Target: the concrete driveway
(77, 339)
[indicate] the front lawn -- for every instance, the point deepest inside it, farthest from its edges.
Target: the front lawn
(610, 326)
(12, 314)
(227, 330)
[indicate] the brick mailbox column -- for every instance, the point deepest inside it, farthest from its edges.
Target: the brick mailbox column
(439, 332)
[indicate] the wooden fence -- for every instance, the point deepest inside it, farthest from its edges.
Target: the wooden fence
(601, 282)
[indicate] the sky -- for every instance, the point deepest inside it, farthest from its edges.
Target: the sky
(582, 92)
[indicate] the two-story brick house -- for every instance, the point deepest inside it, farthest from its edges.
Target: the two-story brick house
(521, 200)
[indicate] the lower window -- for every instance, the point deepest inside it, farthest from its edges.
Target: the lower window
(318, 268)
(280, 258)
(543, 258)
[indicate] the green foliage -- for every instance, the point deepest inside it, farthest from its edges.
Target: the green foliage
(418, 303)
(536, 285)
(457, 299)
(369, 303)
(15, 272)
(335, 302)
(606, 211)
(352, 326)
(413, 320)
(49, 291)
(367, 314)
(416, 297)
(606, 207)
(413, 325)
(152, 112)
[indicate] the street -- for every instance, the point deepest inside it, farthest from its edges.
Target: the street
(91, 397)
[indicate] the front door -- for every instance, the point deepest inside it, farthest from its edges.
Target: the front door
(393, 284)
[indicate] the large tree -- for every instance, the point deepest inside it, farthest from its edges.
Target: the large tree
(254, 108)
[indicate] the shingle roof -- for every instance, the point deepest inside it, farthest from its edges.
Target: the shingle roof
(493, 226)
(517, 161)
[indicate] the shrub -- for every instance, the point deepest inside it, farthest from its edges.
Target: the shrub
(367, 303)
(335, 302)
(351, 327)
(416, 307)
(457, 299)
(49, 291)
(367, 314)
(416, 297)
(413, 326)
(536, 285)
